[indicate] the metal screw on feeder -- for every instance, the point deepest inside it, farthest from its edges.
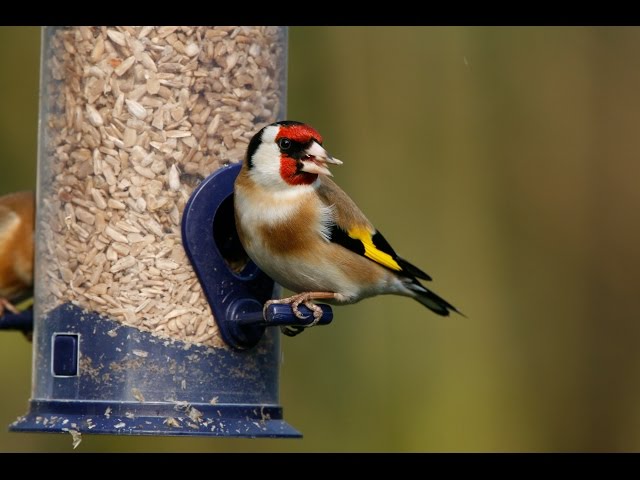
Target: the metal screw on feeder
(132, 120)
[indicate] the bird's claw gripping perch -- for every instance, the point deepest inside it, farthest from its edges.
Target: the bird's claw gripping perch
(295, 301)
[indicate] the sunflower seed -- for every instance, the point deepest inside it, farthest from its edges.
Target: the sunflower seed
(143, 115)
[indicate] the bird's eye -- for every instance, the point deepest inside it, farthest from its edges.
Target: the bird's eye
(284, 143)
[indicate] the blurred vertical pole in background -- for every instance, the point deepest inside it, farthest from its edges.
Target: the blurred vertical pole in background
(567, 148)
(541, 93)
(612, 369)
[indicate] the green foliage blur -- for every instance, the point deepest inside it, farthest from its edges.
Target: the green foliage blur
(503, 161)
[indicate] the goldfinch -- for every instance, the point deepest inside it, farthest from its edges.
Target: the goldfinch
(16, 250)
(305, 232)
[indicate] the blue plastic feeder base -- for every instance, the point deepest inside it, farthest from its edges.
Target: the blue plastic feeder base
(95, 375)
(154, 419)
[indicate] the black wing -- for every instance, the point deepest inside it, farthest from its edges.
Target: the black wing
(376, 248)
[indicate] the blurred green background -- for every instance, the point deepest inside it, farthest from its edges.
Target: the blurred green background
(503, 161)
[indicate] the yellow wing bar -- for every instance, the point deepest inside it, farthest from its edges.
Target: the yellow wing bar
(371, 251)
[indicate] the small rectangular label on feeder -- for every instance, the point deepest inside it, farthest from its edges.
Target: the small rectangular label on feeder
(65, 355)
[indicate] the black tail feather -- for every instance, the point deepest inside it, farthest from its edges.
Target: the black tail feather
(433, 302)
(412, 270)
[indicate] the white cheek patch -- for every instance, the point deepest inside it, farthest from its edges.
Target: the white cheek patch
(269, 134)
(265, 169)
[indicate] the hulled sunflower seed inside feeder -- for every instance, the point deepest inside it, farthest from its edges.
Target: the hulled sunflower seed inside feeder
(134, 118)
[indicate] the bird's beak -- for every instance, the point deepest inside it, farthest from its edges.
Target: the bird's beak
(316, 159)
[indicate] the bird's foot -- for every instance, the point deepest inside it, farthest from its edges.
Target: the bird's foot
(276, 301)
(7, 305)
(295, 301)
(304, 299)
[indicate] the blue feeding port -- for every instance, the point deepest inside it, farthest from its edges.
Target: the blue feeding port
(234, 286)
(94, 374)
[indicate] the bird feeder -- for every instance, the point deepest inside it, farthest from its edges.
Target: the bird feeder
(148, 314)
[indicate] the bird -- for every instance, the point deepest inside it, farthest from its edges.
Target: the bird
(16, 251)
(299, 227)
